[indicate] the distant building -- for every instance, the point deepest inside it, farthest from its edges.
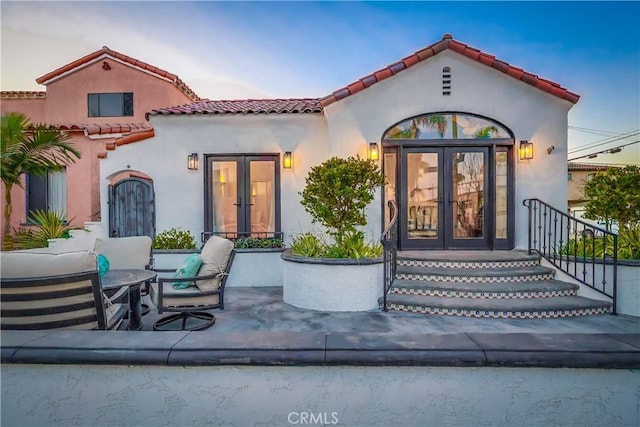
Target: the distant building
(578, 175)
(101, 99)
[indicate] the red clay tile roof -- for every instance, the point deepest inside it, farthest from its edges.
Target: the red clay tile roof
(124, 58)
(105, 129)
(588, 167)
(448, 42)
(21, 94)
(245, 106)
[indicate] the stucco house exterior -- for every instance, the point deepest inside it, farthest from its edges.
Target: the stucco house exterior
(101, 99)
(447, 122)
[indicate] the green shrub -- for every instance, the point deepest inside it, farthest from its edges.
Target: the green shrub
(308, 245)
(257, 242)
(47, 225)
(628, 245)
(336, 195)
(174, 239)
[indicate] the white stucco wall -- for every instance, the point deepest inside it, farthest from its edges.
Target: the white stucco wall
(64, 395)
(344, 130)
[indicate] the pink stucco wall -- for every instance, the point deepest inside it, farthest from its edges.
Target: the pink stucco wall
(66, 103)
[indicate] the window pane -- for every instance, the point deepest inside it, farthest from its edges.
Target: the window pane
(111, 104)
(447, 126)
(58, 192)
(422, 195)
(224, 187)
(468, 195)
(501, 195)
(37, 189)
(262, 196)
(128, 104)
(93, 100)
(390, 187)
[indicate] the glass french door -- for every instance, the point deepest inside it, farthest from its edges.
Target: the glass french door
(443, 195)
(241, 196)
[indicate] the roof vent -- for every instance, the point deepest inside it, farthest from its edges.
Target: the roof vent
(446, 81)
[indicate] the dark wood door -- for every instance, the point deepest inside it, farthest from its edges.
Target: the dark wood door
(132, 209)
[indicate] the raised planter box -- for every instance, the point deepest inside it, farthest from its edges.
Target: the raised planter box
(251, 267)
(331, 284)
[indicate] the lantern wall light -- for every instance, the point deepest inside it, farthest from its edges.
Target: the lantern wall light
(192, 162)
(526, 150)
(374, 153)
(287, 160)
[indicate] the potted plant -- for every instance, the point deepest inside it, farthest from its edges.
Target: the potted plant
(338, 271)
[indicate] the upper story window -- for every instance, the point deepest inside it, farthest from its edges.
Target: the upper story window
(110, 104)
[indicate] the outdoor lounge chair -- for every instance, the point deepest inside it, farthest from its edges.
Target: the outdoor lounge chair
(125, 253)
(55, 291)
(206, 290)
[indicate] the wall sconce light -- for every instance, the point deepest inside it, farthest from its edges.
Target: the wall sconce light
(192, 162)
(287, 160)
(526, 150)
(374, 153)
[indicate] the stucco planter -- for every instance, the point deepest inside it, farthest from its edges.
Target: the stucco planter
(330, 284)
(251, 267)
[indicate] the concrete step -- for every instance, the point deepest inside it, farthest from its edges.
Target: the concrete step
(474, 275)
(468, 259)
(527, 289)
(513, 308)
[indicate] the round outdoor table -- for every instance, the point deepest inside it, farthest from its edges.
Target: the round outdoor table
(115, 279)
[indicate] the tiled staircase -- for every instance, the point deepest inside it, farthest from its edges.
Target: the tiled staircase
(494, 284)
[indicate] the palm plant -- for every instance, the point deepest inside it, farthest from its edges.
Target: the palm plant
(26, 148)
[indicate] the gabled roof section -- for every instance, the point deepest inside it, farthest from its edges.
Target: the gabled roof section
(448, 42)
(245, 106)
(22, 94)
(104, 52)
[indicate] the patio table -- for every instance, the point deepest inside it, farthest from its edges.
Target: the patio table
(133, 278)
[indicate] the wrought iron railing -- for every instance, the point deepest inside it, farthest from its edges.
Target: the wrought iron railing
(389, 240)
(586, 252)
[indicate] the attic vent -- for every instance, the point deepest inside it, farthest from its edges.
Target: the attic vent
(446, 81)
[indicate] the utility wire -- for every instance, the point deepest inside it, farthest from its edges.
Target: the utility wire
(606, 141)
(608, 150)
(594, 131)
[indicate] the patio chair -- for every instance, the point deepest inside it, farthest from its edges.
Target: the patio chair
(206, 290)
(55, 291)
(125, 253)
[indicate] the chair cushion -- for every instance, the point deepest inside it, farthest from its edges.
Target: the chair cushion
(189, 268)
(19, 264)
(125, 252)
(189, 297)
(215, 256)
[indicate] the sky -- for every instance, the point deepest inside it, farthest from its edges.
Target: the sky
(240, 50)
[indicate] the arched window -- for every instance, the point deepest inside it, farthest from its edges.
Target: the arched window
(447, 126)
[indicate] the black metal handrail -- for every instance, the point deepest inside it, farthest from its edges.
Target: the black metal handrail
(390, 248)
(569, 244)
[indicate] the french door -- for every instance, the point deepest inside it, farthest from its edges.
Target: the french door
(241, 195)
(444, 193)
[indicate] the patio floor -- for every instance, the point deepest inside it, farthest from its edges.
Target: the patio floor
(258, 328)
(263, 309)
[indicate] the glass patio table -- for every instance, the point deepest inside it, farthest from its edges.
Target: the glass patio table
(115, 279)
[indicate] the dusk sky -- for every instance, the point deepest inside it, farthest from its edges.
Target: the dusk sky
(238, 50)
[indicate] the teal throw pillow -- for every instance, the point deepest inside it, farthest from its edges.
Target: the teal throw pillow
(103, 265)
(189, 268)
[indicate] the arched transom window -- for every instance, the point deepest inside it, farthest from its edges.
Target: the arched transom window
(447, 126)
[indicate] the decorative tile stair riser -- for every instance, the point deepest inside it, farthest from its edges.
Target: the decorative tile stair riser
(498, 285)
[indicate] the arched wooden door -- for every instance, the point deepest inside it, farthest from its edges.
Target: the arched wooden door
(132, 209)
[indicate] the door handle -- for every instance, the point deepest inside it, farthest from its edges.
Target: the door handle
(239, 202)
